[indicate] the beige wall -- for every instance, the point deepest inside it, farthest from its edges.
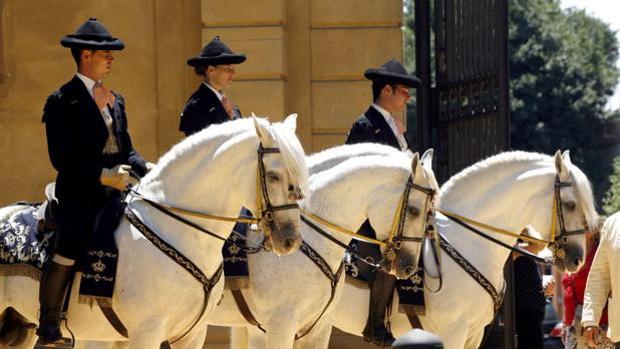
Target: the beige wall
(306, 57)
(151, 73)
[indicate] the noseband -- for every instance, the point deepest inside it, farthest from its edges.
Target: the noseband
(396, 238)
(266, 214)
(560, 241)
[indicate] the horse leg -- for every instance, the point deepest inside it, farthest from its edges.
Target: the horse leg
(453, 336)
(318, 338)
(280, 334)
(474, 340)
(239, 338)
(194, 339)
(257, 339)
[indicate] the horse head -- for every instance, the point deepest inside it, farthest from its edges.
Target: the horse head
(403, 244)
(281, 181)
(573, 214)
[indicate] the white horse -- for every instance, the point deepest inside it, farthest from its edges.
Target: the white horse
(509, 190)
(157, 299)
(292, 296)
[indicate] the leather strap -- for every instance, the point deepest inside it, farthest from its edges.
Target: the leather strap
(245, 309)
(113, 319)
(414, 320)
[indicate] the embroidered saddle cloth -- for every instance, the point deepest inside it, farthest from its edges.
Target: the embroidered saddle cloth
(410, 291)
(27, 241)
(235, 256)
(23, 249)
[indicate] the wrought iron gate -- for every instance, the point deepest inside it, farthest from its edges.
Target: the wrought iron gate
(463, 101)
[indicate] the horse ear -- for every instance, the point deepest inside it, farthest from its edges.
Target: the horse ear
(415, 162)
(427, 157)
(261, 130)
(562, 163)
(291, 122)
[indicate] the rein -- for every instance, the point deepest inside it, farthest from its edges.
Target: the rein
(557, 215)
(396, 231)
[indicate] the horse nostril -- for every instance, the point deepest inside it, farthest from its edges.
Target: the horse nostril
(577, 261)
(289, 243)
(409, 270)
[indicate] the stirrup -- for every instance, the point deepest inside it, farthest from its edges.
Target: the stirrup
(60, 343)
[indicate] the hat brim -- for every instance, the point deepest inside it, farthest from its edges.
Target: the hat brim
(382, 74)
(74, 42)
(224, 58)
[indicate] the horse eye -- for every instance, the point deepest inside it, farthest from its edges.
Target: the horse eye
(273, 177)
(414, 211)
(570, 205)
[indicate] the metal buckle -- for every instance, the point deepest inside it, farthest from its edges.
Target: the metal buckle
(268, 216)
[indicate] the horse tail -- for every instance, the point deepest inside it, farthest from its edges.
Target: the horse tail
(14, 328)
(239, 338)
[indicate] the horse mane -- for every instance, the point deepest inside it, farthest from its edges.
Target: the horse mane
(583, 188)
(331, 157)
(216, 135)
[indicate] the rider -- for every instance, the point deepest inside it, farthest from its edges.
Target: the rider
(209, 105)
(382, 124)
(89, 146)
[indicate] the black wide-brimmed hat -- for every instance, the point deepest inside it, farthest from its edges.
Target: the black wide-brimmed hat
(215, 53)
(92, 35)
(392, 72)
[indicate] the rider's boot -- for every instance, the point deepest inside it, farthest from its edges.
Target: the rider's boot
(380, 292)
(52, 289)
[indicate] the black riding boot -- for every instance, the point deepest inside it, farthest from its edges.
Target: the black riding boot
(52, 290)
(380, 292)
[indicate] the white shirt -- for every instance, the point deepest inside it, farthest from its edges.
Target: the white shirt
(90, 83)
(217, 93)
(390, 121)
(604, 280)
(111, 146)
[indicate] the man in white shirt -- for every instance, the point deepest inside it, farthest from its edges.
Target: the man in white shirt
(90, 148)
(381, 124)
(603, 285)
(209, 105)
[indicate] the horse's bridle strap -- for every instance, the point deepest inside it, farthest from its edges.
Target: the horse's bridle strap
(490, 227)
(249, 220)
(339, 229)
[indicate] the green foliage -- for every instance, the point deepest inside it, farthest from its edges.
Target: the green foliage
(562, 72)
(611, 203)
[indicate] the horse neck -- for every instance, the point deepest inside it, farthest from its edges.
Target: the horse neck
(344, 201)
(213, 184)
(502, 198)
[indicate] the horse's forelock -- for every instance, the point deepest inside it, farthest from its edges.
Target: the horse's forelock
(293, 154)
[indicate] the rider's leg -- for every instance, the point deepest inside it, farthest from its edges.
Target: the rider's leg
(381, 289)
(54, 281)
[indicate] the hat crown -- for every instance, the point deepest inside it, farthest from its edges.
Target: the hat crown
(215, 48)
(394, 66)
(91, 28)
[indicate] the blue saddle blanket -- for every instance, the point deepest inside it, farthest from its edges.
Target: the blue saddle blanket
(23, 250)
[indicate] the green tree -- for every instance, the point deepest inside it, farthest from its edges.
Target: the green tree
(611, 203)
(562, 72)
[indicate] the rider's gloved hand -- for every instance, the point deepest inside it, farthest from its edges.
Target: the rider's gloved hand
(117, 177)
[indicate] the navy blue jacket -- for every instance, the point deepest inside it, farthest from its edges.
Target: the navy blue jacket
(202, 109)
(76, 136)
(372, 128)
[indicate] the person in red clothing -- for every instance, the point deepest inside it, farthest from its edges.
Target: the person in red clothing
(573, 286)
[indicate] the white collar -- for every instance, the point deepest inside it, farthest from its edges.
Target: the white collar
(88, 82)
(217, 93)
(386, 114)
